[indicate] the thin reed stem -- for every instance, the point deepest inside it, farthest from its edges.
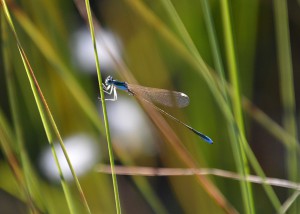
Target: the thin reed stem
(109, 143)
(287, 88)
(47, 119)
(239, 154)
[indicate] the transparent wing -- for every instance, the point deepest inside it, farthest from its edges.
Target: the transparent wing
(160, 96)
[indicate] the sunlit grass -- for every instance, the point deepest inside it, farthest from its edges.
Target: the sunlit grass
(201, 48)
(109, 143)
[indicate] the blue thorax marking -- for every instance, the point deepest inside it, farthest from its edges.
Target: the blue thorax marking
(120, 85)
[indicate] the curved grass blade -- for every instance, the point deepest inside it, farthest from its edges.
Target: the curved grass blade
(47, 118)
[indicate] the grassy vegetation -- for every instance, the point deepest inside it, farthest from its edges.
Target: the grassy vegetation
(242, 87)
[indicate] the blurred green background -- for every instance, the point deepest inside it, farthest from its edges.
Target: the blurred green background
(236, 60)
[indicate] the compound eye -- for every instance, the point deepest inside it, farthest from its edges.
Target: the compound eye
(108, 80)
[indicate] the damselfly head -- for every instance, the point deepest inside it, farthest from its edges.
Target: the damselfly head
(108, 80)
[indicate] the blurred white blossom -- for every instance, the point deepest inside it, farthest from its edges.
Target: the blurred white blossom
(82, 151)
(130, 128)
(84, 51)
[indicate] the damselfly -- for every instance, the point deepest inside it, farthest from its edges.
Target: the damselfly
(153, 95)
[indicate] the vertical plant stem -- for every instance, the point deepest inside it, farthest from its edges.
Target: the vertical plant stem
(109, 144)
(40, 100)
(287, 87)
(195, 59)
(47, 118)
(15, 114)
(231, 128)
(239, 153)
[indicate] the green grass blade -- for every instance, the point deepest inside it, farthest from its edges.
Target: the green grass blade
(287, 204)
(46, 117)
(201, 67)
(28, 186)
(287, 88)
(198, 62)
(239, 153)
(63, 70)
(239, 156)
(6, 140)
(219, 67)
(109, 143)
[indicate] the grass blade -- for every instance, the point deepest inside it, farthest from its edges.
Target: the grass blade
(46, 117)
(287, 88)
(239, 153)
(109, 143)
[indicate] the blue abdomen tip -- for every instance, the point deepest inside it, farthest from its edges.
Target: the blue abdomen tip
(207, 139)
